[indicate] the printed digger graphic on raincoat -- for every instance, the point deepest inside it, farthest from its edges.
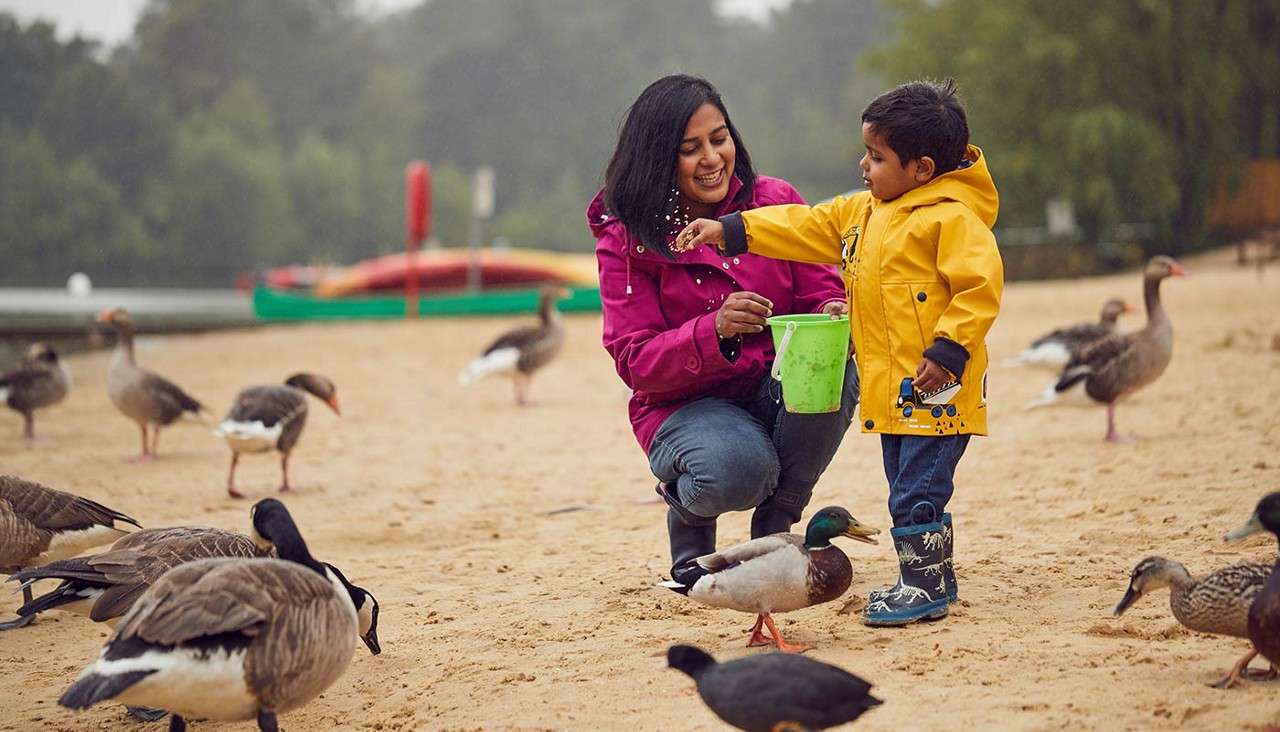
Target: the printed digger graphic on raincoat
(924, 280)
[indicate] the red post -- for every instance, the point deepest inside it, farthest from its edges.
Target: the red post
(417, 218)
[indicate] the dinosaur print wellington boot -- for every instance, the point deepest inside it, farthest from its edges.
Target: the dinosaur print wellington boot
(921, 591)
(948, 567)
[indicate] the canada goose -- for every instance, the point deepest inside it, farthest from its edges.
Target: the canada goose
(1115, 366)
(39, 380)
(522, 351)
(235, 639)
(140, 395)
(271, 418)
(775, 691)
(1057, 348)
(40, 525)
(777, 573)
(104, 586)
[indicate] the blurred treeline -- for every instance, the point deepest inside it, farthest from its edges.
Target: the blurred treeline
(229, 135)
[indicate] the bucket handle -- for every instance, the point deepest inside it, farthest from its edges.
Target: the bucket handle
(776, 371)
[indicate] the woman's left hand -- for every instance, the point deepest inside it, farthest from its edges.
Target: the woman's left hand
(836, 308)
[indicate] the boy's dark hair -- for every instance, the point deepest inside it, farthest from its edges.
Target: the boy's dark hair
(642, 171)
(922, 118)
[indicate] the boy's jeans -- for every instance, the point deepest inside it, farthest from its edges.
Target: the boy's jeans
(729, 455)
(921, 473)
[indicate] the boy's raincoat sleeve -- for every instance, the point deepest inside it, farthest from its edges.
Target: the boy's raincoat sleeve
(648, 355)
(796, 232)
(970, 264)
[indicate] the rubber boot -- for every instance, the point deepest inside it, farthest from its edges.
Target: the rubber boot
(781, 510)
(948, 570)
(691, 536)
(921, 591)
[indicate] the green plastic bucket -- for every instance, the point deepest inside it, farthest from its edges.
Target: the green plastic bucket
(812, 351)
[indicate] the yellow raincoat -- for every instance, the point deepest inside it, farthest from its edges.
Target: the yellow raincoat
(918, 268)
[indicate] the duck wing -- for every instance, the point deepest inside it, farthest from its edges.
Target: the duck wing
(1075, 336)
(268, 405)
(519, 338)
(748, 550)
(32, 385)
(1099, 362)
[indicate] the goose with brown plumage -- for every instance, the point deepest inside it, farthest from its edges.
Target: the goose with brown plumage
(142, 396)
(1056, 349)
(104, 586)
(39, 380)
(1114, 367)
(521, 352)
(271, 417)
(40, 525)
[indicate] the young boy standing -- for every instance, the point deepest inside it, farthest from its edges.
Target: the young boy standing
(924, 279)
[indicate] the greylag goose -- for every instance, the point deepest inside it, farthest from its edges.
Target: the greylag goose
(235, 639)
(1057, 348)
(1115, 366)
(104, 586)
(40, 525)
(144, 397)
(522, 351)
(1217, 604)
(271, 418)
(39, 380)
(775, 691)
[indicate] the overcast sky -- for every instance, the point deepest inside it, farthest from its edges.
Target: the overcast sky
(111, 21)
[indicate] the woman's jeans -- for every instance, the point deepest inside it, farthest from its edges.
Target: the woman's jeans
(719, 455)
(921, 472)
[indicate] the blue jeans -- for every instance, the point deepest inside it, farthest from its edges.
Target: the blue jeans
(721, 455)
(921, 473)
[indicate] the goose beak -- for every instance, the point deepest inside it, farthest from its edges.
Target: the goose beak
(1130, 596)
(1126, 307)
(333, 404)
(1177, 270)
(103, 316)
(371, 640)
(1252, 526)
(859, 532)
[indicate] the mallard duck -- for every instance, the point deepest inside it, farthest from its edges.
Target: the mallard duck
(140, 395)
(104, 586)
(40, 525)
(1217, 604)
(522, 351)
(39, 380)
(775, 691)
(778, 573)
(1264, 612)
(1057, 348)
(235, 639)
(1115, 366)
(271, 418)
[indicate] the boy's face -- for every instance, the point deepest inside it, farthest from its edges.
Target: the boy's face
(884, 174)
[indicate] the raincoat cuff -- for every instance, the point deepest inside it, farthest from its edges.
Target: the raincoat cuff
(735, 234)
(950, 355)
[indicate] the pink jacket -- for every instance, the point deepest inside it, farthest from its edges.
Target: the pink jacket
(659, 315)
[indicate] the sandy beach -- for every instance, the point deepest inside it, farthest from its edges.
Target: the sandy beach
(515, 557)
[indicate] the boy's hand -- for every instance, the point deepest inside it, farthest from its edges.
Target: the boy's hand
(699, 232)
(742, 312)
(930, 375)
(835, 309)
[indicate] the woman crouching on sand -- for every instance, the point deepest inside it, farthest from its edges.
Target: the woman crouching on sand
(687, 331)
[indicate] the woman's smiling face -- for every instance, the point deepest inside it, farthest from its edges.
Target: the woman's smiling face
(704, 163)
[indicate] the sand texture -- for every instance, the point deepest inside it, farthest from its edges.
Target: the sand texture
(515, 555)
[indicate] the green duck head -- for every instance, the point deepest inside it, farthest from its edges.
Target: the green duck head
(834, 521)
(1266, 517)
(1150, 574)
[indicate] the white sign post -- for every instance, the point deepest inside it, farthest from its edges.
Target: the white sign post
(481, 211)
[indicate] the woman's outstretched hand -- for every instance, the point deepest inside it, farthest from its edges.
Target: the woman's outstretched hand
(742, 312)
(699, 232)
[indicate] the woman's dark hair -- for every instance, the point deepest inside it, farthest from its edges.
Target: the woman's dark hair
(642, 171)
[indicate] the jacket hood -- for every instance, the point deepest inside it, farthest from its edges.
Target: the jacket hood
(970, 185)
(598, 217)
